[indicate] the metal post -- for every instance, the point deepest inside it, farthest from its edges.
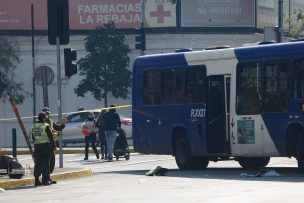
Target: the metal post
(142, 24)
(14, 142)
(33, 63)
(280, 21)
(59, 100)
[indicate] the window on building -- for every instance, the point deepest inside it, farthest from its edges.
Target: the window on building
(152, 87)
(249, 86)
(275, 98)
(195, 90)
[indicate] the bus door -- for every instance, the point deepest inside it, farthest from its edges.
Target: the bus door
(218, 98)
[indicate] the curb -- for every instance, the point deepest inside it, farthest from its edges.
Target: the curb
(65, 151)
(60, 176)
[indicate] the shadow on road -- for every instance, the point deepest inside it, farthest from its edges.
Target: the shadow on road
(288, 174)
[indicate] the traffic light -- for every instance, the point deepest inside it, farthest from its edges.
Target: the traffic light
(140, 39)
(58, 21)
(70, 66)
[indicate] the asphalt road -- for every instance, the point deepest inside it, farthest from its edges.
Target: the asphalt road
(125, 181)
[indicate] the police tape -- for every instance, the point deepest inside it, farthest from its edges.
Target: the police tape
(99, 109)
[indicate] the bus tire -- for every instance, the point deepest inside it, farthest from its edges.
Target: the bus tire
(253, 163)
(300, 151)
(183, 160)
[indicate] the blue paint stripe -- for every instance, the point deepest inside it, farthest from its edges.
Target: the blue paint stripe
(271, 51)
(161, 60)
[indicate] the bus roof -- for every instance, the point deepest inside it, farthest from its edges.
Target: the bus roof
(252, 53)
(270, 51)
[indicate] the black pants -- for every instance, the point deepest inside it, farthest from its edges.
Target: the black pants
(91, 138)
(42, 161)
(103, 142)
(52, 162)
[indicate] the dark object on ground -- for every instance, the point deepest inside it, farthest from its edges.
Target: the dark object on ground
(121, 147)
(158, 171)
(11, 166)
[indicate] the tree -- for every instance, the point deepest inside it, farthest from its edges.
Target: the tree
(295, 24)
(9, 59)
(104, 68)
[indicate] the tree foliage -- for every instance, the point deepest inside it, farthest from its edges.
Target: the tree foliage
(295, 24)
(9, 59)
(104, 68)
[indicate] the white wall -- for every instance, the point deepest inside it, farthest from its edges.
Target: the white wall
(46, 55)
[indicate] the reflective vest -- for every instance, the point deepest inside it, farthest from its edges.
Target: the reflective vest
(39, 133)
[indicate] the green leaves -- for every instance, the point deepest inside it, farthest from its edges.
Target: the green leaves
(104, 68)
(9, 59)
(296, 24)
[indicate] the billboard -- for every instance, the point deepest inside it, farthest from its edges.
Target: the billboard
(87, 14)
(267, 13)
(219, 13)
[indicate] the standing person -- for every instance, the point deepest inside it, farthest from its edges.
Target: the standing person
(44, 146)
(111, 125)
(55, 128)
(101, 134)
(90, 124)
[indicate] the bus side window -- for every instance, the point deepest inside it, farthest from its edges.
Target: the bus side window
(152, 87)
(249, 85)
(173, 86)
(195, 88)
(275, 98)
(298, 79)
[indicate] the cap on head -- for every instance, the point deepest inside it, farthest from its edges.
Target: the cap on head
(41, 116)
(112, 107)
(45, 109)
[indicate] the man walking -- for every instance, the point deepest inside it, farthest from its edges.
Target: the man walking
(111, 125)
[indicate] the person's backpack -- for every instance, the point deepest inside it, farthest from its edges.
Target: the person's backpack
(11, 166)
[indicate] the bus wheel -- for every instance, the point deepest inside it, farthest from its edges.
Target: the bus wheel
(253, 163)
(182, 157)
(183, 160)
(300, 152)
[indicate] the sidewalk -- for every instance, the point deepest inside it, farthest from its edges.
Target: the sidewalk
(58, 174)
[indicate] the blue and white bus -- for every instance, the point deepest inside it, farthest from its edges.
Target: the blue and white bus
(242, 103)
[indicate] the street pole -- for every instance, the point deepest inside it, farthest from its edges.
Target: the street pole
(280, 21)
(142, 24)
(33, 63)
(59, 100)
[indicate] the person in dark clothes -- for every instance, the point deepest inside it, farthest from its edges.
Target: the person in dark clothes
(44, 146)
(55, 128)
(101, 134)
(111, 125)
(90, 124)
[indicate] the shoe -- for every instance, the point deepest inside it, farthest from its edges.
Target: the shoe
(109, 159)
(46, 183)
(52, 181)
(97, 156)
(37, 183)
(85, 158)
(102, 157)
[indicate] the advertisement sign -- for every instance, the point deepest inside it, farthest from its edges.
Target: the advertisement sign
(87, 14)
(267, 13)
(219, 13)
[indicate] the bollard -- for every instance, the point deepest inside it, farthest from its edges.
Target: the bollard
(14, 144)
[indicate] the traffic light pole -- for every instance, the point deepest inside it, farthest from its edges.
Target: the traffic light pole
(142, 24)
(59, 101)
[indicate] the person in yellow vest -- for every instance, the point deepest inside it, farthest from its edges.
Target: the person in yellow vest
(44, 147)
(55, 128)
